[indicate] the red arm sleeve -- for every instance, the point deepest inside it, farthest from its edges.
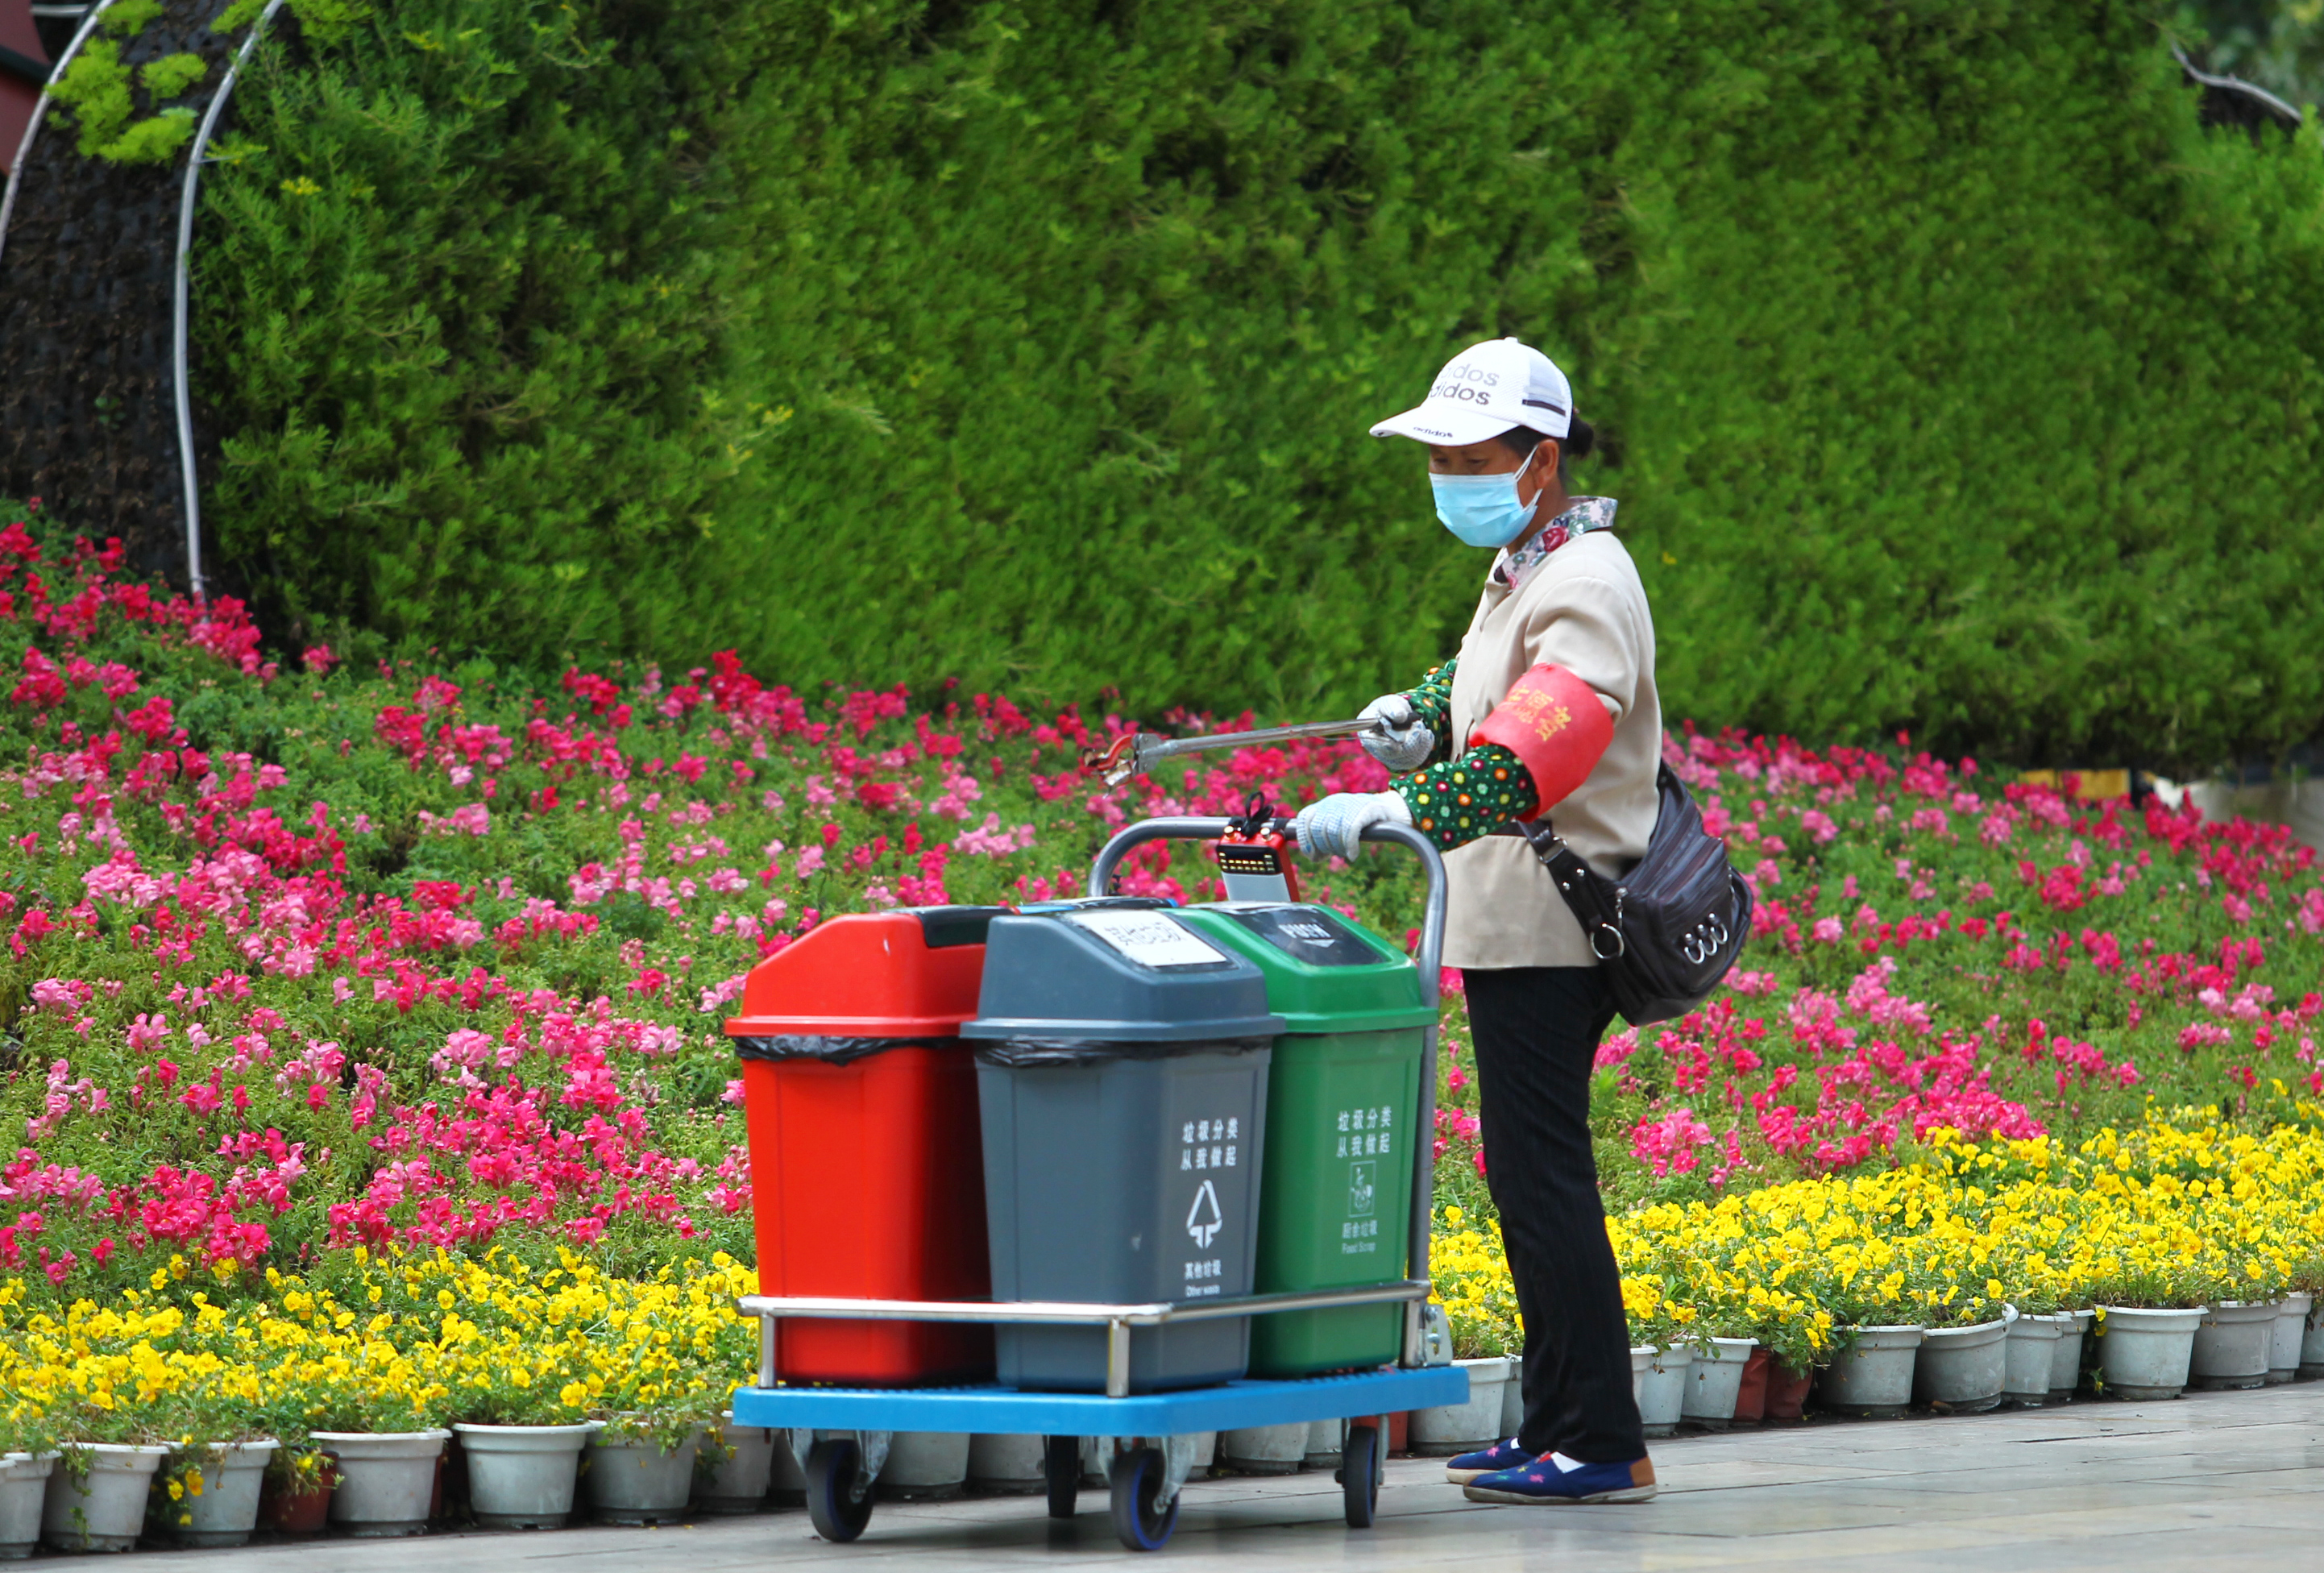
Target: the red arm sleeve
(1555, 723)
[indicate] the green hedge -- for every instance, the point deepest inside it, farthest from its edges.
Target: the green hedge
(1952, 378)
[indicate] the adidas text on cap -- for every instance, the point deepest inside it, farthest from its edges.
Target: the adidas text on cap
(1483, 391)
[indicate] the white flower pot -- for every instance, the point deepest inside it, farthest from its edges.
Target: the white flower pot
(1960, 1369)
(1513, 1400)
(386, 1479)
(925, 1467)
(522, 1477)
(226, 1513)
(2030, 1360)
(1873, 1376)
(742, 1462)
(2066, 1375)
(1275, 1449)
(1662, 1390)
(1463, 1428)
(23, 1485)
(105, 1511)
(2232, 1346)
(636, 1483)
(1714, 1381)
(2143, 1355)
(1006, 1466)
(1642, 1360)
(2283, 1348)
(1327, 1440)
(787, 1484)
(2311, 1345)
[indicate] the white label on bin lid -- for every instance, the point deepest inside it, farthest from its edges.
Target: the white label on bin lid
(1148, 938)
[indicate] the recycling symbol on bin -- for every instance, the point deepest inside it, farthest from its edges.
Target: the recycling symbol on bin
(1204, 1219)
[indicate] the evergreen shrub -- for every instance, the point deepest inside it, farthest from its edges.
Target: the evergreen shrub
(1951, 378)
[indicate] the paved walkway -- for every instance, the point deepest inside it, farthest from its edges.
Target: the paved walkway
(2209, 1481)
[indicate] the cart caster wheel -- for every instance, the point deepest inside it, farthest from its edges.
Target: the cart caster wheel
(1360, 1474)
(837, 1505)
(1061, 1466)
(1143, 1524)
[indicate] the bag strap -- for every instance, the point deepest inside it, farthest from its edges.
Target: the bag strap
(1595, 901)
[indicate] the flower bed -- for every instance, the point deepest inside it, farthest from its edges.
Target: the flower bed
(396, 990)
(1942, 968)
(2169, 1213)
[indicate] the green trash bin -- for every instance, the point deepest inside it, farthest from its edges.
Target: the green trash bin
(1335, 1186)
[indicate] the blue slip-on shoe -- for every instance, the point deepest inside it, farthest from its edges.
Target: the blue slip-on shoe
(1555, 1478)
(1467, 1467)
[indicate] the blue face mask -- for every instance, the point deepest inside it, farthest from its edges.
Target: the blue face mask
(1483, 511)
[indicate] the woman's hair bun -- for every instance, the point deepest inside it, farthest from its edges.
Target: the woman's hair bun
(1581, 438)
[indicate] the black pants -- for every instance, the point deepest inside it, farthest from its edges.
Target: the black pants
(1536, 1032)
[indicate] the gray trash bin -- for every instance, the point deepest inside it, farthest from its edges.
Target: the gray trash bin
(1121, 1075)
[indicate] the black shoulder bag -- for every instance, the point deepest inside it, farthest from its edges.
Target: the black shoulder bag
(1667, 931)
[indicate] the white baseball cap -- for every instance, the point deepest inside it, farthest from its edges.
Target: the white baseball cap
(1483, 391)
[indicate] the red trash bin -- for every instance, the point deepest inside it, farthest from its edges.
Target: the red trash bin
(867, 1169)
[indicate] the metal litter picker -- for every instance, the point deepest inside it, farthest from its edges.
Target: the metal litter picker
(1144, 1439)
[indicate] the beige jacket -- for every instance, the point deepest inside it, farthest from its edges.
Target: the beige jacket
(1583, 608)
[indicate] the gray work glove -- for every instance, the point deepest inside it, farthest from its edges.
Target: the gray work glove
(1406, 743)
(1331, 827)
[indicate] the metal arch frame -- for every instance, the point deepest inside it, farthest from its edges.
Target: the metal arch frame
(181, 310)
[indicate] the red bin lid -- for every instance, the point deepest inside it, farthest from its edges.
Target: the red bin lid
(911, 972)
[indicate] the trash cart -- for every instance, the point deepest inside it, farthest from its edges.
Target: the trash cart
(859, 1100)
(1121, 1068)
(1343, 1091)
(1145, 1439)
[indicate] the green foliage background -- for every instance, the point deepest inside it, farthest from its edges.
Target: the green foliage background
(1952, 378)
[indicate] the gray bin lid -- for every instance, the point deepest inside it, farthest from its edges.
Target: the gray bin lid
(1118, 975)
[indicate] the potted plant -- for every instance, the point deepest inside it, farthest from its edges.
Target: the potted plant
(1667, 1332)
(933, 1466)
(2233, 1343)
(1716, 1326)
(1751, 1388)
(95, 1498)
(1962, 1363)
(28, 1457)
(1796, 1336)
(523, 1433)
(1714, 1381)
(2283, 1344)
(1480, 1309)
(295, 1500)
(1448, 1428)
(1880, 1328)
(208, 1489)
(731, 1472)
(1275, 1449)
(640, 1463)
(380, 1428)
(2030, 1355)
(109, 1445)
(2150, 1299)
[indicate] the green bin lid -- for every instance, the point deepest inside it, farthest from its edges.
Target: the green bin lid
(1325, 973)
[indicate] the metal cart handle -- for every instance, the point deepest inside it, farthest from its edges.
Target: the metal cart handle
(1428, 958)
